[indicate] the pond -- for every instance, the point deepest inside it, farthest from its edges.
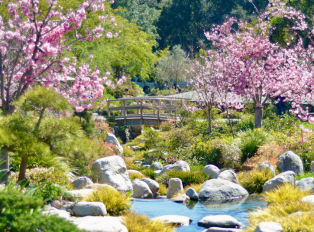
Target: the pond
(197, 210)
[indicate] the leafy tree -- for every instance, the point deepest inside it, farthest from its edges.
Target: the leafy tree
(172, 68)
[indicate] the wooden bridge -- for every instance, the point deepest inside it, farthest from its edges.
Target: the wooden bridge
(145, 110)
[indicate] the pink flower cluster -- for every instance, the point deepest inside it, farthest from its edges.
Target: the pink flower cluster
(32, 44)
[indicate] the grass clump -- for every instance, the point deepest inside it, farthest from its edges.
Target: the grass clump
(285, 194)
(282, 213)
(141, 223)
(254, 180)
(196, 187)
(305, 175)
(187, 178)
(162, 189)
(116, 202)
(136, 175)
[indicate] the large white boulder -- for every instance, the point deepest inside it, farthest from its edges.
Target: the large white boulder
(179, 165)
(219, 189)
(269, 227)
(141, 189)
(285, 177)
(175, 220)
(308, 199)
(99, 224)
(175, 187)
(54, 211)
(290, 161)
(152, 184)
(156, 166)
(89, 209)
(211, 170)
(225, 221)
(229, 175)
(81, 182)
(112, 139)
(112, 170)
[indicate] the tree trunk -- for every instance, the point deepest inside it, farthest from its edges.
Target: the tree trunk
(209, 112)
(22, 174)
(4, 167)
(258, 117)
(118, 71)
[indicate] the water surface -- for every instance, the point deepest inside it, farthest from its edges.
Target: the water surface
(197, 210)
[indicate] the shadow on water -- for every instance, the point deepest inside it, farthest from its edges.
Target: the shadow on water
(238, 208)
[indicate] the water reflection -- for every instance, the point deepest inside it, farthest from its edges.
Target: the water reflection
(197, 210)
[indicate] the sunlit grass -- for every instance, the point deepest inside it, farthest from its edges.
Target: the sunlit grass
(196, 187)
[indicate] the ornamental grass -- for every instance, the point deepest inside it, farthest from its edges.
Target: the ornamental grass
(196, 187)
(254, 180)
(286, 208)
(162, 189)
(284, 194)
(141, 223)
(116, 202)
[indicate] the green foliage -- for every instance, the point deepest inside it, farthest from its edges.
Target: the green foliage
(250, 142)
(288, 122)
(180, 137)
(149, 173)
(21, 213)
(220, 152)
(246, 123)
(254, 180)
(187, 178)
(304, 175)
(116, 202)
(166, 126)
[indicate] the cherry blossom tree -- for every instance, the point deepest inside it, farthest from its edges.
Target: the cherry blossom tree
(260, 69)
(34, 47)
(213, 81)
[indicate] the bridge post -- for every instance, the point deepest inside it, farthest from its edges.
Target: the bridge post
(125, 112)
(176, 114)
(158, 112)
(138, 111)
(108, 108)
(141, 111)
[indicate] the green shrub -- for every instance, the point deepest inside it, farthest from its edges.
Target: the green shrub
(250, 141)
(305, 175)
(116, 202)
(253, 181)
(220, 152)
(166, 126)
(187, 178)
(149, 173)
(180, 137)
(247, 122)
(21, 213)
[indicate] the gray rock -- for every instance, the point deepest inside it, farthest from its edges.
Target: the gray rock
(220, 229)
(142, 140)
(156, 166)
(290, 161)
(99, 224)
(179, 165)
(99, 186)
(268, 166)
(157, 172)
(175, 187)
(183, 198)
(89, 209)
(80, 194)
(175, 220)
(134, 148)
(225, 221)
(57, 204)
(308, 199)
(211, 170)
(269, 227)
(218, 189)
(153, 185)
(81, 182)
(112, 170)
(54, 211)
(229, 175)
(192, 194)
(285, 177)
(141, 189)
(306, 183)
(112, 139)
(146, 166)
